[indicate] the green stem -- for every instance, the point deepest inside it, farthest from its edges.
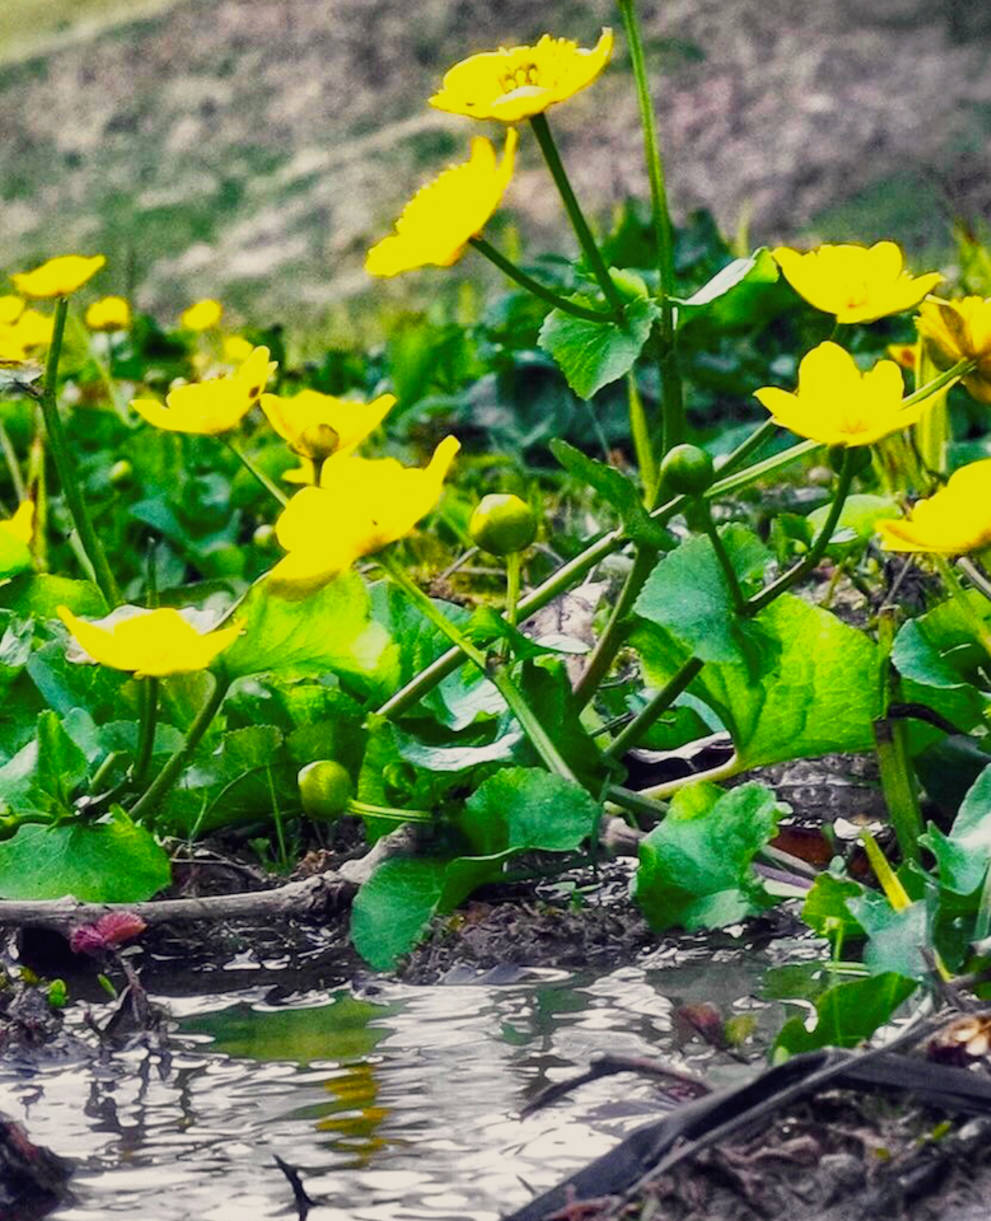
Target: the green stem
(65, 463)
(258, 473)
(640, 432)
(105, 376)
(13, 466)
(891, 742)
(535, 732)
(673, 404)
(513, 566)
(658, 705)
(146, 730)
(725, 563)
(635, 802)
(960, 599)
(946, 378)
(977, 578)
(590, 249)
(818, 548)
(366, 809)
(575, 569)
(746, 448)
(167, 777)
(514, 272)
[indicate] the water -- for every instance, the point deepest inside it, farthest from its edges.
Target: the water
(400, 1102)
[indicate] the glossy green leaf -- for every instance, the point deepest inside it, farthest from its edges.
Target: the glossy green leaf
(525, 809)
(846, 1014)
(735, 294)
(963, 856)
(43, 776)
(617, 490)
(38, 595)
(593, 354)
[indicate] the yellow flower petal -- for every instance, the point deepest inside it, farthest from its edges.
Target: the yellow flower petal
(150, 643)
(213, 406)
(11, 309)
(517, 82)
(58, 277)
(436, 224)
(836, 404)
(856, 283)
(318, 425)
(960, 330)
(201, 315)
(236, 349)
(21, 525)
(953, 521)
(109, 314)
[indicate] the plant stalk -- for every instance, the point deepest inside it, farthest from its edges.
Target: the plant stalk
(657, 706)
(516, 273)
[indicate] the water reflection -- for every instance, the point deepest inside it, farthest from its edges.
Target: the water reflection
(399, 1104)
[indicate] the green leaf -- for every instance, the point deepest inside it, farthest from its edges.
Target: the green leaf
(696, 866)
(825, 909)
(593, 354)
(688, 594)
(523, 809)
(858, 518)
(963, 856)
(894, 938)
(112, 861)
(734, 294)
(38, 595)
(618, 491)
(845, 1014)
(330, 631)
(821, 695)
(42, 777)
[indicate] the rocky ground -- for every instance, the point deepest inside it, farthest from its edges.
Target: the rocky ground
(251, 148)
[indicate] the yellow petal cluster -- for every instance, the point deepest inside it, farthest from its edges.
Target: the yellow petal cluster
(856, 283)
(516, 82)
(58, 277)
(317, 426)
(213, 406)
(201, 315)
(960, 330)
(150, 643)
(362, 505)
(953, 521)
(20, 527)
(436, 224)
(109, 314)
(836, 404)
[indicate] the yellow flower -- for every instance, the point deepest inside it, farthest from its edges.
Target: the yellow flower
(516, 82)
(151, 643)
(952, 521)
(11, 309)
(109, 314)
(856, 283)
(905, 355)
(436, 224)
(18, 339)
(960, 330)
(213, 406)
(362, 505)
(20, 527)
(836, 404)
(58, 277)
(319, 425)
(202, 315)
(236, 349)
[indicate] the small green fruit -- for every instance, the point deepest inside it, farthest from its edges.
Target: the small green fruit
(503, 524)
(687, 470)
(324, 789)
(121, 473)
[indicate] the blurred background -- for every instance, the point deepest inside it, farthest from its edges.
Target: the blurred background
(251, 149)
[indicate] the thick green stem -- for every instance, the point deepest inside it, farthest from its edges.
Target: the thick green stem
(513, 566)
(273, 490)
(658, 705)
(590, 249)
(574, 570)
(65, 463)
(167, 777)
(514, 272)
(640, 432)
(146, 730)
(722, 555)
(672, 396)
(538, 737)
(13, 466)
(366, 809)
(891, 741)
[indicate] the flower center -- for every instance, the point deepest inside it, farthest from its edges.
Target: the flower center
(520, 77)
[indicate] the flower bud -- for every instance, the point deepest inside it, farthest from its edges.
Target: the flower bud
(324, 790)
(318, 442)
(121, 473)
(687, 470)
(503, 524)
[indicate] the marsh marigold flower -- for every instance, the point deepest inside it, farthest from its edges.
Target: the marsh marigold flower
(213, 406)
(235, 349)
(58, 277)
(19, 339)
(11, 309)
(317, 426)
(109, 314)
(856, 283)
(436, 224)
(952, 521)
(836, 404)
(362, 505)
(149, 643)
(516, 82)
(201, 315)
(960, 330)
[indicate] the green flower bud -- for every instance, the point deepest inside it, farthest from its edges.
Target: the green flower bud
(324, 790)
(687, 470)
(503, 524)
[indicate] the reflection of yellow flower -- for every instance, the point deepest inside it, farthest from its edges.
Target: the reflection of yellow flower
(856, 283)
(11, 309)
(960, 330)
(517, 82)
(58, 277)
(363, 505)
(952, 521)
(836, 404)
(109, 314)
(436, 224)
(213, 406)
(151, 643)
(319, 425)
(236, 349)
(202, 315)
